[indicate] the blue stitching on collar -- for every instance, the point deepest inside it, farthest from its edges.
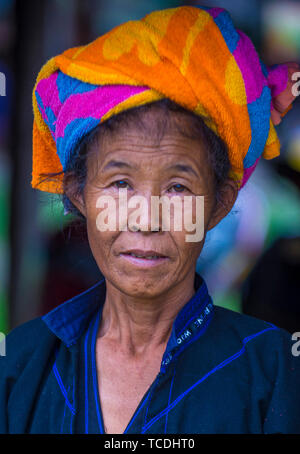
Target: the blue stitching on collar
(63, 420)
(94, 372)
(62, 387)
(170, 395)
(219, 366)
(149, 400)
(72, 416)
(69, 320)
(199, 309)
(195, 329)
(193, 338)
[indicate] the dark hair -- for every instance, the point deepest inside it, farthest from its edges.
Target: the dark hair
(75, 173)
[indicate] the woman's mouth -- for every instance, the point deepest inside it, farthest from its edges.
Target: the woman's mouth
(144, 259)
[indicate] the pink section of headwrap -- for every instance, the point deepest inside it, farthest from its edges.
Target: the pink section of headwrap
(214, 12)
(248, 172)
(93, 104)
(248, 62)
(47, 89)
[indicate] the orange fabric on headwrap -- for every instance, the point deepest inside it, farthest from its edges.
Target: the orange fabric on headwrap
(193, 56)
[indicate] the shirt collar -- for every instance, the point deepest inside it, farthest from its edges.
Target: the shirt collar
(71, 319)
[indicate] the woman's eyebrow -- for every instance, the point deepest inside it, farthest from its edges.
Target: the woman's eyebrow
(118, 164)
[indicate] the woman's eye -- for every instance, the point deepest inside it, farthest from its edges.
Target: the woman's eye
(120, 184)
(177, 188)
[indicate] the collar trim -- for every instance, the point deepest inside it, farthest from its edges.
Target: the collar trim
(70, 320)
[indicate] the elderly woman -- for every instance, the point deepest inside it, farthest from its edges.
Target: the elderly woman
(177, 105)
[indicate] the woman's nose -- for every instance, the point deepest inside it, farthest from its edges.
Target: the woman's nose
(143, 215)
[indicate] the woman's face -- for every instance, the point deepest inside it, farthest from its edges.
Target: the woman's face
(146, 166)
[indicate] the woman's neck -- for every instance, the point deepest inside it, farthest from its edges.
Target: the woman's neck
(141, 325)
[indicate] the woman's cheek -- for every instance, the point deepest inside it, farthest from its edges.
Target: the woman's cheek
(190, 218)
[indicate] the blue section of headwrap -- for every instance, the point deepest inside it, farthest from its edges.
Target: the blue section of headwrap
(260, 127)
(51, 120)
(74, 132)
(228, 30)
(67, 86)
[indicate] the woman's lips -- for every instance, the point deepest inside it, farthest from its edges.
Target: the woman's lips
(144, 262)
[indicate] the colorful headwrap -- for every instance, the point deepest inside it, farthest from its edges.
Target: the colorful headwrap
(193, 56)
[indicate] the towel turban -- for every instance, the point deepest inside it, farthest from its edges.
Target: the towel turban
(191, 55)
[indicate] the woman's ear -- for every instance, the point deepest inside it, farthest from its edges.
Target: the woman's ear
(73, 194)
(227, 196)
(78, 202)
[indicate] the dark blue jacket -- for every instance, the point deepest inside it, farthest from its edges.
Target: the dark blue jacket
(222, 372)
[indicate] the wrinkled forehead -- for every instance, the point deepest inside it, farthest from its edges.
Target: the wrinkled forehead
(152, 123)
(147, 153)
(150, 129)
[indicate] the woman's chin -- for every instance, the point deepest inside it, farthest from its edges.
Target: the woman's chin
(142, 291)
(142, 283)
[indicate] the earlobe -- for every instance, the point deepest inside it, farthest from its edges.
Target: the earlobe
(226, 199)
